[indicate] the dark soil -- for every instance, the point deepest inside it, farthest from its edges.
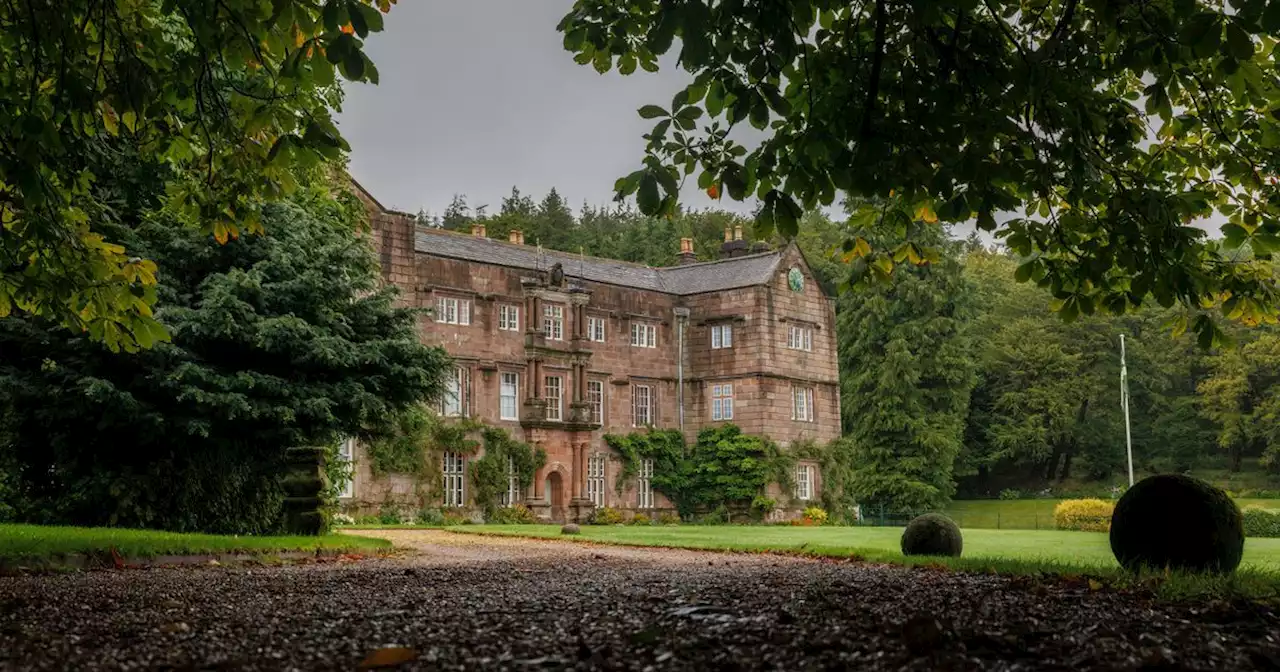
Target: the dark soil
(481, 603)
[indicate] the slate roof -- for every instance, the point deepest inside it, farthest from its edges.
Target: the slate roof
(711, 276)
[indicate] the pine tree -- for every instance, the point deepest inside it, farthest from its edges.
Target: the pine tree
(906, 375)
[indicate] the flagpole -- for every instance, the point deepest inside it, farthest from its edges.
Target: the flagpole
(1124, 403)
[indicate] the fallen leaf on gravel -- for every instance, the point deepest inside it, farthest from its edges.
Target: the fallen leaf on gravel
(389, 656)
(1095, 584)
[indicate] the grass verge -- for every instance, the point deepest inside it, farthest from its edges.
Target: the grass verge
(1071, 556)
(40, 541)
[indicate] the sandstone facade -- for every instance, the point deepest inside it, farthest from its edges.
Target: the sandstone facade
(561, 349)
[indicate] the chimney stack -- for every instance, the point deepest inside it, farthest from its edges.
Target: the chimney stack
(687, 255)
(734, 245)
(477, 230)
(516, 236)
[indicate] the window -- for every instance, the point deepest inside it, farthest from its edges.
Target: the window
(455, 467)
(454, 403)
(595, 479)
(453, 311)
(513, 495)
(555, 397)
(508, 318)
(595, 329)
(804, 482)
(802, 403)
(722, 402)
(347, 454)
(508, 391)
(645, 485)
(553, 322)
(644, 335)
(595, 397)
(641, 405)
(721, 336)
(800, 338)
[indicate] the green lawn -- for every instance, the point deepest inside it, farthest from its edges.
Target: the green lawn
(39, 541)
(1078, 549)
(1027, 514)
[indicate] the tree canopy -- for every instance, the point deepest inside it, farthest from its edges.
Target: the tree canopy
(1090, 136)
(227, 95)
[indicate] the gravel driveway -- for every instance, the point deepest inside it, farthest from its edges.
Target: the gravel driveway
(467, 602)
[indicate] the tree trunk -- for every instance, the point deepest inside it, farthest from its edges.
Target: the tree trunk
(1053, 464)
(1066, 466)
(1237, 456)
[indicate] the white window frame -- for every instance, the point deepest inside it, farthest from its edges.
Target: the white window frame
(456, 391)
(347, 455)
(800, 338)
(508, 317)
(454, 470)
(555, 402)
(595, 329)
(512, 496)
(644, 485)
(804, 482)
(722, 402)
(721, 336)
(595, 397)
(644, 335)
(641, 402)
(508, 404)
(595, 478)
(553, 322)
(802, 403)
(451, 310)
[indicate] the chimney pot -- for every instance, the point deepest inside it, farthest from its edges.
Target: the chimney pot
(686, 245)
(728, 234)
(737, 232)
(516, 236)
(687, 256)
(478, 231)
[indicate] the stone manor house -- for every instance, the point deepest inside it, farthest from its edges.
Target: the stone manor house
(561, 349)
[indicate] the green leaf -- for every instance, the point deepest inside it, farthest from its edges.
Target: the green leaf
(1271, 17)
(1239, 44)
(1203, 33)
(715, 97)
(690, 113)
(760, 115)
(652, 112)
(358, 23)
(647, 198)
(353, 66)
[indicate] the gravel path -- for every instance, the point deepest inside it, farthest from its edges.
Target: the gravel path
(468, 602)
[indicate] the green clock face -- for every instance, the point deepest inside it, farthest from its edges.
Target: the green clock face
(795, 279)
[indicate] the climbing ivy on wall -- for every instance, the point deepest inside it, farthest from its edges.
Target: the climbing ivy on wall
(422, 438)
(489, 473)
(724, 467)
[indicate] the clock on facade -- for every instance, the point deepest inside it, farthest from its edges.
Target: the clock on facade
(795, 279)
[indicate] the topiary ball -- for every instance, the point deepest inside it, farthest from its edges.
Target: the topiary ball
(932, 534)
(571, 528)
(1177, 522)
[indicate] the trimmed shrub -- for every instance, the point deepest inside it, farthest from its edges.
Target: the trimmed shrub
(390, 515)
(430, 516)
(668, 518)
(1177, 522)
(456, 517)
(1085, 515)
(815, 515)
(513, 515)
(640, 519)
(932, 534)
(571, 528)
(606, 515)
(1260, 522)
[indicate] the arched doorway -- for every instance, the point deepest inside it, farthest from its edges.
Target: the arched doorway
(555, 496)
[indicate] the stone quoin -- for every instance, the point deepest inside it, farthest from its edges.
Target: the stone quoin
(561, 349)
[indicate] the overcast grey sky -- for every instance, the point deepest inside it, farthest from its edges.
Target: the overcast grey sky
(479, 95)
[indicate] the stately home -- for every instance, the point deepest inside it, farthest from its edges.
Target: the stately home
(562, 349)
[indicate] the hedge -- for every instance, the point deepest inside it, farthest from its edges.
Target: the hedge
(1260, 522)
(1086, 515)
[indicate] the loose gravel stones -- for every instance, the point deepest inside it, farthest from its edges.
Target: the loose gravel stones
(468, 602)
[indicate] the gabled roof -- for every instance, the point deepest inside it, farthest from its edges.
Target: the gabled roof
(711, 276)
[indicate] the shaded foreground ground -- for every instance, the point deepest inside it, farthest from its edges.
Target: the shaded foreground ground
(472, 602)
